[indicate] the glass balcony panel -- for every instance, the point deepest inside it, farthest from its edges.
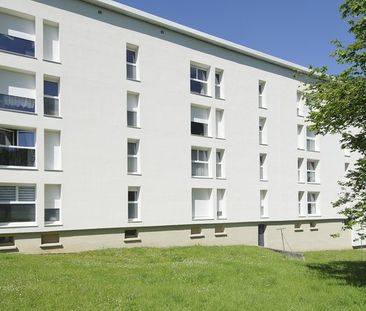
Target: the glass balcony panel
(16, 45)
(17, 103)
(17, 156)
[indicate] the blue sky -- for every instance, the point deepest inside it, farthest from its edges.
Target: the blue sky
(296, 30)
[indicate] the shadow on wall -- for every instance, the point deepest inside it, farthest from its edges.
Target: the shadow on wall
(352, 272)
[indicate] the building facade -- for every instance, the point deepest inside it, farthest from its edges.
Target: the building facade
(120, 129)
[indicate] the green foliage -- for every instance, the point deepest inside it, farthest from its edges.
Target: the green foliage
(337, 105)
(187, 278)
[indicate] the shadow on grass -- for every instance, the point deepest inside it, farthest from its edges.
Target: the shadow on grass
(352, 272)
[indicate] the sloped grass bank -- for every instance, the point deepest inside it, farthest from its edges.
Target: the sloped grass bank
(188, 278)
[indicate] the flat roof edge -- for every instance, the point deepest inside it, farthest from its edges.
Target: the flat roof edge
(153, 19)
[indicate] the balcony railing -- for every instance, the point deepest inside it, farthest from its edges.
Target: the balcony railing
(16, 45)
(17, 103)
(17, 156)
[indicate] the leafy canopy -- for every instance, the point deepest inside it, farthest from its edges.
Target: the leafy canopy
(337, 105)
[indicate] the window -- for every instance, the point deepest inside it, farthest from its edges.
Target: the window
(133, 203)
(17, 203)
(220, 230)
(312, 203)
(131, 62)
(52, 204)
(346, 168)
(300, 137)
(200, 121)
(200, 162)
(131, 234)
(300, 170)
(300, 199)
(17, 91)
(51, 42)
(312, 174)
(263, 203)
(199, 78)
(202, 204)
(218, 84)
(17, 148)
(262, 131)
(51, 98)
(196, 231)
(220, 170)
(221, 209)
(311, 143)
(220, 130)
(52, 150)
(133, 110)
(17, 34)
(6, 241)
(50, 238)
(133, 157)
(261, 95)
(300, 105)
(263, 166)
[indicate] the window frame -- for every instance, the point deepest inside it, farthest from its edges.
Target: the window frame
(312, 139)
(135, 49)
(56, 98)
(206, 125)
(135, 156)
(300, 107)
(55, 222)
(196, 79)
(263, 203)
(263, 131)
(137, 202)
(17, 201)
(198, 161)
(219, 90)
(262, 103)
(312, 171)
(312, 205)
(221, 163)
(263, 167)
(220, 132)
(223, 206)
(15, 137)
(136, 110)
(300, 203)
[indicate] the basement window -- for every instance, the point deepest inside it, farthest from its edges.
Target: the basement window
(196, 232)
(131, 234)
(50, 238)
(7, 241)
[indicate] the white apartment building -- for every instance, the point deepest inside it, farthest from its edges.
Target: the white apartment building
(119, 129)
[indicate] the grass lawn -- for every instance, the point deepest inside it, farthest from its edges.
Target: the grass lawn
(189, 278)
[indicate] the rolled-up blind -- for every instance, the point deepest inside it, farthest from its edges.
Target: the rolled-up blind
(7, 193)
(27, 193)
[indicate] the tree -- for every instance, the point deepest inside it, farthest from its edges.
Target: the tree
(337, 105)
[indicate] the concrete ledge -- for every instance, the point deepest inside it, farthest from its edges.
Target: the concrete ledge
(132, 240)
(197, 236)
(11, 248)
(51, 245)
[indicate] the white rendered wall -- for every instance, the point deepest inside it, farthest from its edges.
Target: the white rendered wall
(94, 129)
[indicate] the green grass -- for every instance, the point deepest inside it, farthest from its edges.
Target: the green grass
(189, 278)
